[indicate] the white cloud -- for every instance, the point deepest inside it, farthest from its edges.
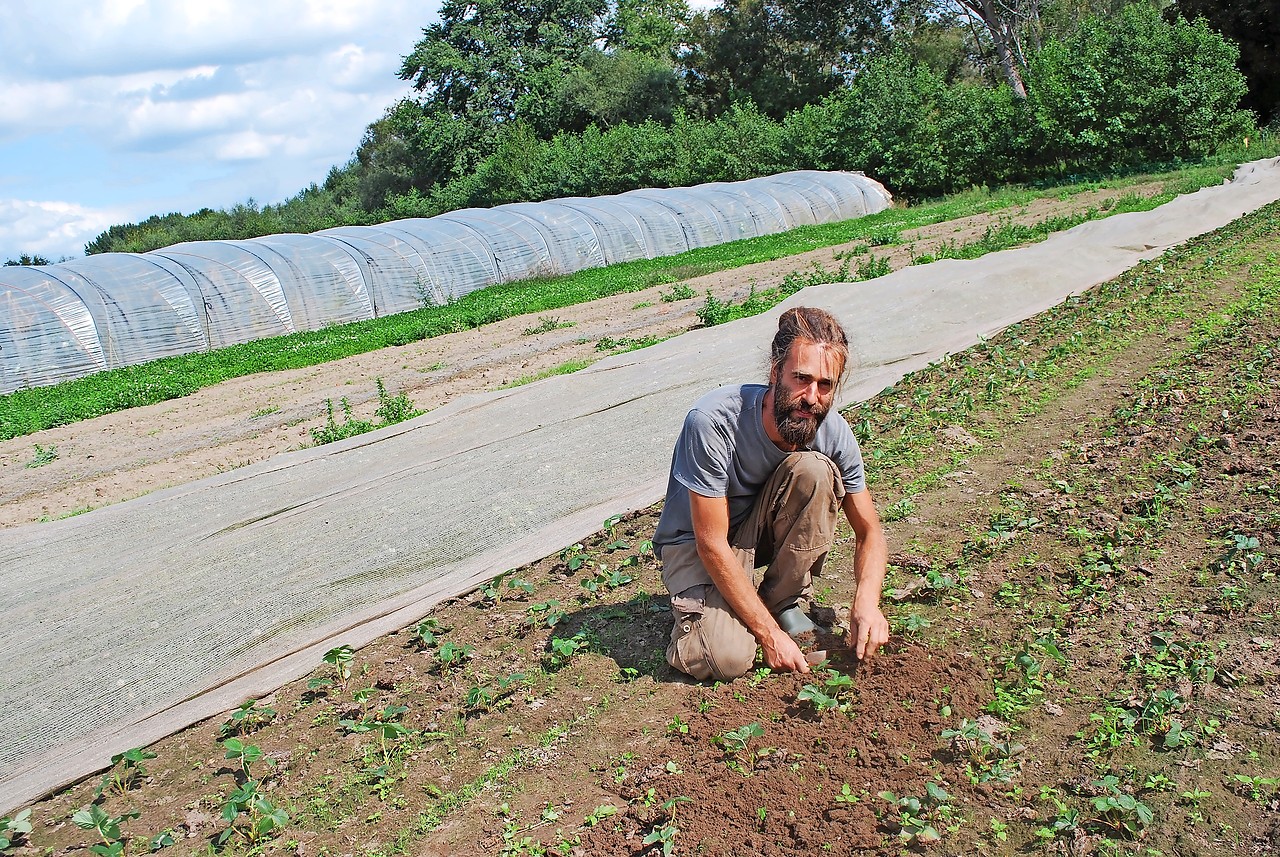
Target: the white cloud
(49, 229)
(137, 107)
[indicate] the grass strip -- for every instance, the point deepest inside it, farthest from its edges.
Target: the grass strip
(27, 411)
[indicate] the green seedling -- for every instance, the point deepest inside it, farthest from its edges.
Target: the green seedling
(127, 771)
(1241, 557)
(735, 741)
(242, 754)
(847, 795)
(451, 654)
(676, 726)
(426, 633)
(107, 826)
(479, 698)
(546, 613)
(163, 839)
(560, 650)
(250, 815)
(815, 696)
(913, 814)
(575, 557)
(1122, 813)
(339, 658)
(248, 718)
(15, 828)
(599, 814)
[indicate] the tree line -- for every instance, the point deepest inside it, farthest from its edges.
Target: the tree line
(526, 100)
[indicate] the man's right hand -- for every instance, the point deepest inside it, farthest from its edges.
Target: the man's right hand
(782, 653)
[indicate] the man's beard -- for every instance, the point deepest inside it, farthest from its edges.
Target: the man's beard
(799, 431)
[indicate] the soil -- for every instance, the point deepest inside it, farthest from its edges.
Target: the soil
(1083, 514)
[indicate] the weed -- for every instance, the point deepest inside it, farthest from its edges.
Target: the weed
(1257, 789)
(608, 343)
(678, 292)
(599, 814)
(44, 455)
(847, 795)
(546, 324)
(390, 410)
(393, 409)
(566, 368)
(333, 431)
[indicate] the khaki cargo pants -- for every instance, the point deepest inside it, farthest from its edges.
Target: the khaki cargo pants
(790, 530)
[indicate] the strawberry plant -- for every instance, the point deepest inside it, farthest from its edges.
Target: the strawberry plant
(127, 771)
(247, 718)
(15, 828)
(250, 815)
(107, 826)
(339, 658)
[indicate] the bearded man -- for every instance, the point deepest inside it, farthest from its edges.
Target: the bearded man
(758, 477)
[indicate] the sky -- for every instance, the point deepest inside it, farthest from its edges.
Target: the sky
(114, 110)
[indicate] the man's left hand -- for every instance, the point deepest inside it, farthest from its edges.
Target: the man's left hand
(870, 630)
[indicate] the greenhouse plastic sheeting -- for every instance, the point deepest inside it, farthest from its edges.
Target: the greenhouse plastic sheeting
(72, 319)
(133, 621)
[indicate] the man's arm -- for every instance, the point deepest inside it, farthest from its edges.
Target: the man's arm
(867, 624)
(711, 533)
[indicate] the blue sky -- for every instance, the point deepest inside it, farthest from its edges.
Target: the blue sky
(113, 110)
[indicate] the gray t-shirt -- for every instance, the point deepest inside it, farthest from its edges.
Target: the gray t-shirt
(723, 451)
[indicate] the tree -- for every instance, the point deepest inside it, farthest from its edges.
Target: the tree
(654, 28)
(1135, 88)
(27, 259)
(485, 57)
(780, 54)
(1255, 27)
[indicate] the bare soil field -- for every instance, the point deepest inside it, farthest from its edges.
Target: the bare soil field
(1083, 515)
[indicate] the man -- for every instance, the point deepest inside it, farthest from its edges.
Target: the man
(758, 477)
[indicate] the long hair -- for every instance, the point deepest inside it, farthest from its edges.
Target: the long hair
(812, 324)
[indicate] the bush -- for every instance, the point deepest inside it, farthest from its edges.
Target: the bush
(1132, 89)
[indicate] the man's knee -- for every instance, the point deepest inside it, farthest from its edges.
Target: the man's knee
(708, 641)
(812, 474)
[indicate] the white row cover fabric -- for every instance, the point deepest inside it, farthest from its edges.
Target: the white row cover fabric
(72, 319)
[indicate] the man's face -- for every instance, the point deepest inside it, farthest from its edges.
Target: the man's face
(803, 389)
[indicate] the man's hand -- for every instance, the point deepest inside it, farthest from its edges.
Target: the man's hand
(870, 630)
(782, 653)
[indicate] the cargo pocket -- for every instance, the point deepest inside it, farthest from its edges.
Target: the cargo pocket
(687, 650)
